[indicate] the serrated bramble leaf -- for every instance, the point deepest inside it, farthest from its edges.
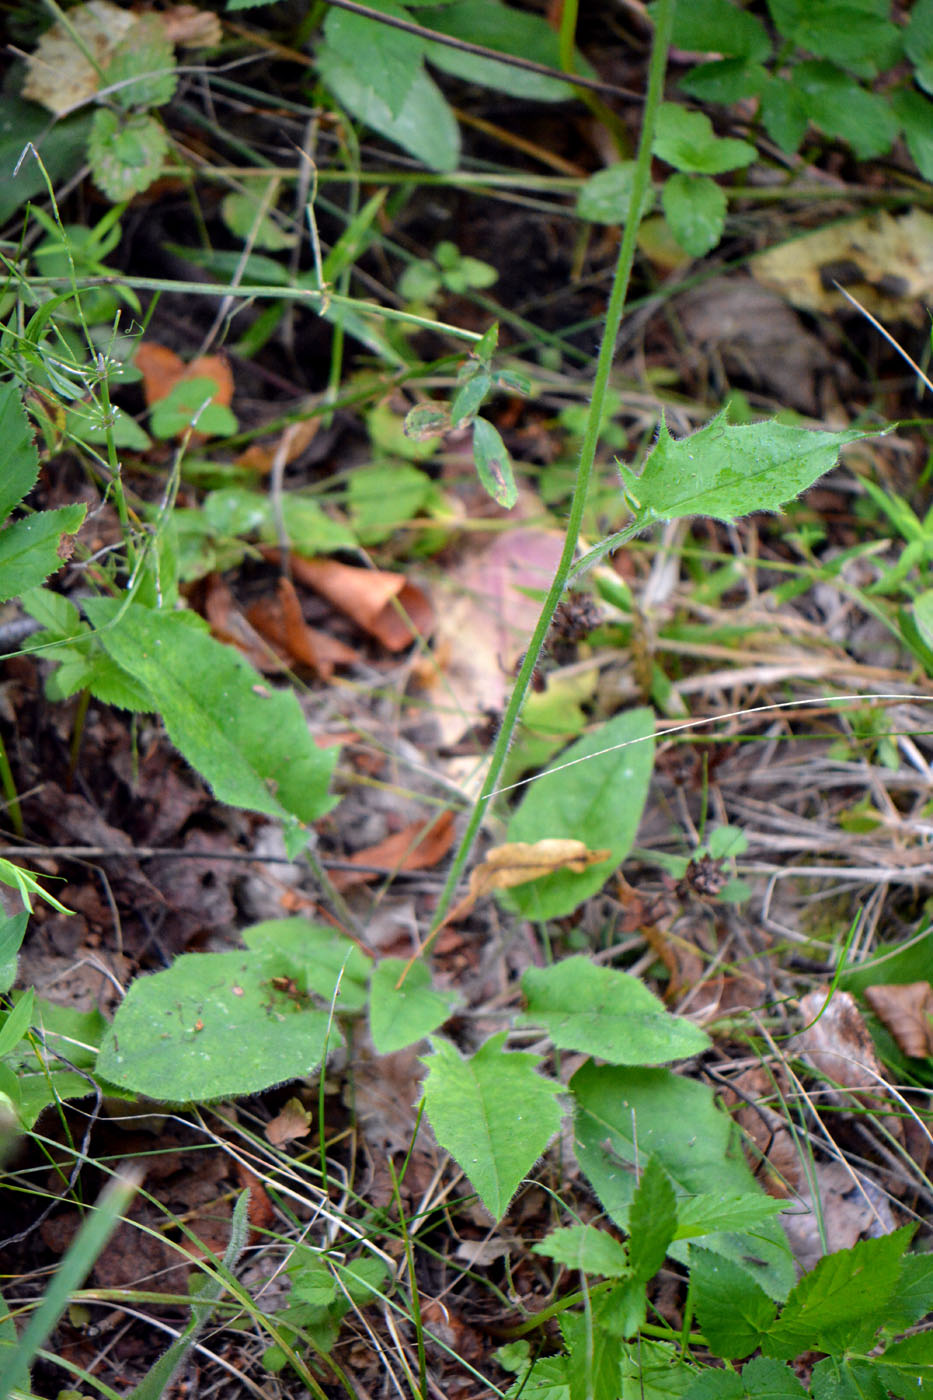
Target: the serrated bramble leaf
(652, 1219)
(831, 1306)
(842, 1378)
(912, 1298)
(711, 1212)
(716, 1385)
(726, 470)
(400, 1016)
(906, 1367)
(493, 1113)
(20, 459)
(607, 1013)
(33, 548)
(587, 1248)
(766, 1379)
(733, 1312)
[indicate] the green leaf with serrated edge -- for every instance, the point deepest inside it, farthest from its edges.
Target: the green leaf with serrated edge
(695, 209)
(653, 1371)
(250, 742)
(20, 458)
(31, 549)
(511, 31)
(687, 141)
(400, 1016)
(16, 1023)
(764, 1379)
(605, 197)
(734, 1313)
(710, 1213)
(587, 1248)
(607, 1013)
(593, 1343)
(100, 674)
(717, 1384)
(57, 614)
(320, 959)
(652, 1218)
(425, 125)
(906, 1367)
(624, 1115)
(492, 1113)
(385, 59)
(726, 470)
(842, 109)
(915, 114)
(493, 464)
(912, 1298)
(141, 72)
(545, 1380)
(212, 1026)
(718, 26)
(846, 1379)
(836, 1300)
(12, 931)
(126, 154)
(598, 801)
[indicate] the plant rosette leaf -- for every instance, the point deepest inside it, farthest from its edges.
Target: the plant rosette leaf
(598, 802)
(126, 154)
(734, 1313)
(210, 1026)
(251, 743)
(726, 470)
(400, 1016)
(624, 1114)
(35, 547)
(695, 209)
(601, 1011)
(318, 959)
(687, 141)
(493, 1113)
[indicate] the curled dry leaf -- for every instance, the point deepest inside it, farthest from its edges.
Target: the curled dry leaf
(291, 1122)
(907, 1011)
(281, 622)
(517, 862)
(385, 605)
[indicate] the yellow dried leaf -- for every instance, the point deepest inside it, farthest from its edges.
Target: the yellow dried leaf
(520, 861)
(59, 75)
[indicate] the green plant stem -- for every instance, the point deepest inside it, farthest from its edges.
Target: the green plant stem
(8, 783)
(614, 311)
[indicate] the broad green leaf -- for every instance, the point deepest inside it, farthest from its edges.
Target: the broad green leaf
(842, 1300)
(91, 669)
(712, 1212)
(785, 113)
(687, 141)
(211, 1026)
(20, 458)
(141, 72)
(764, 1379)
(625, 1115)
(607, 1013)
(652, 1220)
(61, 147)
(586, 1248)
(843, 109)
(726, 470)
(384, 497)
(712, 1384)
(250, 742)
(320, 959)
(915, 114)
(425, 125)
(653, 1371)
(695, 209)
(592, 1339)
(126, 153)
(605, 198)
(511, 31)
(12, 932)
(401, 1016)
(718, 26)
(598, 801)
(493, 464)
(906, 1367)
(492, 1113)
(733, 1312)
(850, 36)
(386, 60)
(469, 397)
(545, 1380)
(57, 614)
(839, 1378)
(725, 80)
(32, 548)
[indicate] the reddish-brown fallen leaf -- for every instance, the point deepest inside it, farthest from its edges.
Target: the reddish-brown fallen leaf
(416, 847)
(837, 1043)
(907, 1011)
(281, 622)
(261, 457)
(228, 624)
(385, 605)
(291, 1122)
(162, 369)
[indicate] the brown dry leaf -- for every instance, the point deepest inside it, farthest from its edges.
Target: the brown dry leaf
(517, 862)
(58, 75)
(417, 847)
(838, 1044)
(849, 1206)
(291, 1122)
(162, 369)
(281, 622)
(192, 28)
(886, 263)
(907, 1011)
(229, 625)
(385, 605)
(679, 956)
(293, 441)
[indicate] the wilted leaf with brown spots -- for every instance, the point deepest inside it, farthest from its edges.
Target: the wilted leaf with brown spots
(907, 1011)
